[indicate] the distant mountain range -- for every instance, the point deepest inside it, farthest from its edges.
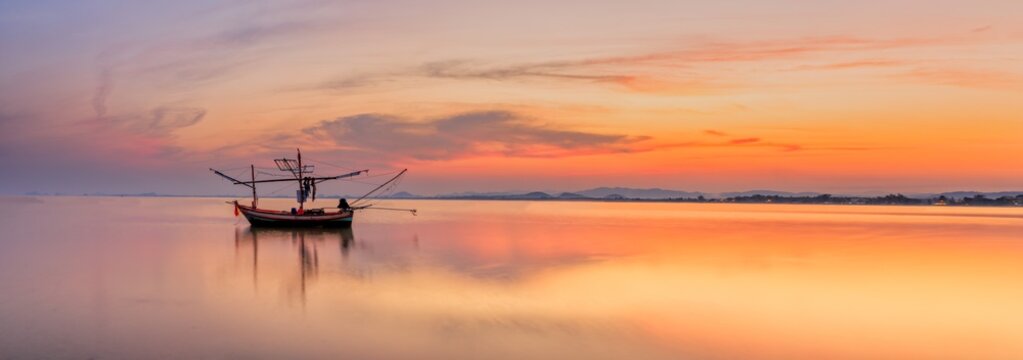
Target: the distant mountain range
(403, 195)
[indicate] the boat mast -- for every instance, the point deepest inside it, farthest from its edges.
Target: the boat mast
(301, 190)
(254, 199)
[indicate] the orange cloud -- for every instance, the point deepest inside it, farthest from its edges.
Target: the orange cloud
(744, 141)
(651, 85)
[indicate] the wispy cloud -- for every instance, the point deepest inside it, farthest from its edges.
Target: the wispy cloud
(967, 78)
(352, 82)
(255, 33)
(857, 64)
(460, 69)
(209, 57)
(145, 135)
(104, 86)
(981, 29)
(625, 79)
(176, 63)
(735, 144)
(719, 52)
(160, 120)
(744, 140)
(718, 142)
(11, 130)
(639, 73)
(164, 119)
(184, 61)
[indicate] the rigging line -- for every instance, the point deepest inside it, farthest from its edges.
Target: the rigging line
(272, 174)
(381, 186)
(368, 183)
(372, 201)
(280, 188)
(361, 182)
(390, 189)
(329, 164)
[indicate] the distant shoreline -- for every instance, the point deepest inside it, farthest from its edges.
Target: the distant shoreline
(888, 200)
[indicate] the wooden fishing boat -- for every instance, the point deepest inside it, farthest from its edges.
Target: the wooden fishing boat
(294, 170)
(309, 218)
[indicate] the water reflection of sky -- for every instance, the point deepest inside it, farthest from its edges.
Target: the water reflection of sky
(182, 278)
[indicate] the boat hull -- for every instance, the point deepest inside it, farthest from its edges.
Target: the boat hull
(271, 218)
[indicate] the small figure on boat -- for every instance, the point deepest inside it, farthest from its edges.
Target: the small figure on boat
(343, 205)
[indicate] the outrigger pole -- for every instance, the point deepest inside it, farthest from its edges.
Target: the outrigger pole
(371, 207)
(236, 181)
(317, 179)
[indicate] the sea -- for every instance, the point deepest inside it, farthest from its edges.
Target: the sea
(184, 278)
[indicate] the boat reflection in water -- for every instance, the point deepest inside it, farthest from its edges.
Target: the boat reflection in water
(306, 241)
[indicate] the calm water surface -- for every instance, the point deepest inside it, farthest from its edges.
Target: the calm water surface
(183, 278)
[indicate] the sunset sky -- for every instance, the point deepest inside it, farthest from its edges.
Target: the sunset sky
(829, 96)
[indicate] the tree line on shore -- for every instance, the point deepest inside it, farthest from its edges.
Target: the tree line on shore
(890, 199)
